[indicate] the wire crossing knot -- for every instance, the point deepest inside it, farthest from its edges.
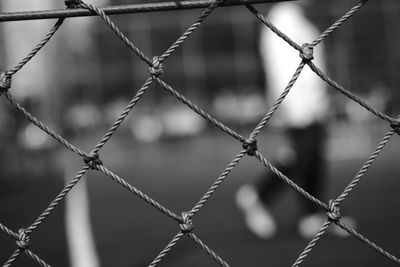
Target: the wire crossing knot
(396, 126)
(307, 52)
(92, 160)
(5, 81)
(186, 225)
(250, 145)
(23, 241)
(156, 69)
(334, 212)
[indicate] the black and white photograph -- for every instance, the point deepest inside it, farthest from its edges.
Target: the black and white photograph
(199, 133)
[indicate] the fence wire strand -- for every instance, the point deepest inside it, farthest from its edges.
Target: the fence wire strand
(92, 161)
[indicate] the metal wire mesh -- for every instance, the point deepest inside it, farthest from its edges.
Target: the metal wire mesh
(249, 144)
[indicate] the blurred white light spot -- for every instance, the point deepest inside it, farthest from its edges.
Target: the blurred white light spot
(147, 128)
(34, 137)
(180, 122)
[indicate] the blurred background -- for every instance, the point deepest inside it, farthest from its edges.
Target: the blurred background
(82, 80)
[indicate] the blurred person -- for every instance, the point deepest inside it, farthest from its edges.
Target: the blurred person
(302, 116)
(28, 156)
(35, 84)
(82, 119)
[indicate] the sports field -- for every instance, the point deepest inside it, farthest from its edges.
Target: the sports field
(176, 173)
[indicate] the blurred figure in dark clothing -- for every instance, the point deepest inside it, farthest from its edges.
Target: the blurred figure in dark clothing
(302, 115)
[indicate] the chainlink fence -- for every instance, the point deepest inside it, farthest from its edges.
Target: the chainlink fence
(92, 161)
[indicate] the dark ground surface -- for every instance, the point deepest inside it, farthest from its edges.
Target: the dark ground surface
(129, 232)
